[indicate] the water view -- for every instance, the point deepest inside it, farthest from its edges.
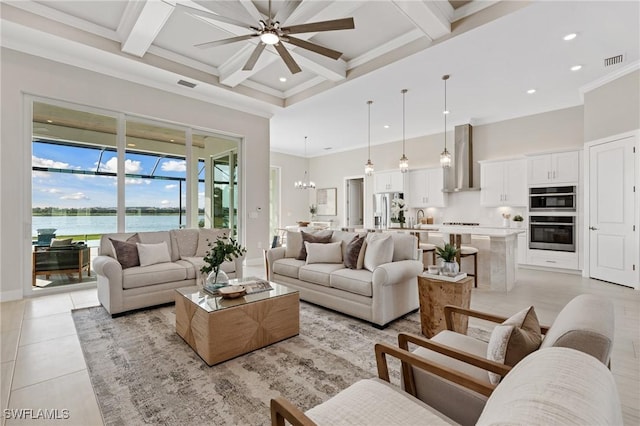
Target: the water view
(89, 225)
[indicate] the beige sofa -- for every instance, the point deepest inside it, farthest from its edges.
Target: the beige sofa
(122, 289)
(383, 290)
(552, 386)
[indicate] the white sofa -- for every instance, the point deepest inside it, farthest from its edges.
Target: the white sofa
(124, 289)
(379, 294)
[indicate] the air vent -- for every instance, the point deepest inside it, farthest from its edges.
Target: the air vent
(613, 60)
(187, 83)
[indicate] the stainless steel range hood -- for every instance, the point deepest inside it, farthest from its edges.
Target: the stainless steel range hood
(462, 161)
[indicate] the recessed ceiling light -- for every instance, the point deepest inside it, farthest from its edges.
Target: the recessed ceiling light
(386, 126)
(569, 36)
(171, 140)
(531, 91)
(283, 79)
(446, 111)
(131, 144)
(576, 67)
(49, 121)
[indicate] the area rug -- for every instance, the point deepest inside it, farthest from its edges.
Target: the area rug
(143, 372)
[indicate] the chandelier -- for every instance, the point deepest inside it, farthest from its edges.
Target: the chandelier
(305, 183)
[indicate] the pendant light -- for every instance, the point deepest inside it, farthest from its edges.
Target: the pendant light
(404, 161)
(305, 183)
(368, 168)
(445, 157)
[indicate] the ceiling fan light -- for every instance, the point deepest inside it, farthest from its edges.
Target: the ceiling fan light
(445, 159)
(269, 38)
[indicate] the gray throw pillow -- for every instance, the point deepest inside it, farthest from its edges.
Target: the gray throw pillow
(312, 238)
(354, 249)
(127, 251)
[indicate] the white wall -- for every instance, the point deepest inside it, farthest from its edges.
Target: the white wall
(26, 74)
(612, 108)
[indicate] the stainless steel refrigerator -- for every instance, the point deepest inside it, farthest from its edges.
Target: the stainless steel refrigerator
(382, 209)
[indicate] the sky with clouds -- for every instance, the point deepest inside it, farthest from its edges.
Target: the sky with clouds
(69, 190)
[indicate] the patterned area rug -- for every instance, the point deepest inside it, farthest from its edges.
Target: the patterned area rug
(143, 372)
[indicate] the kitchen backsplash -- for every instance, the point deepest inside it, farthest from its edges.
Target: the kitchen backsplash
(465, 207)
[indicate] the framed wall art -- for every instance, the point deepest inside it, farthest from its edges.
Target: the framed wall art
(326, 201)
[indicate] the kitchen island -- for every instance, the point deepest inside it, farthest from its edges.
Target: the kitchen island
(503, 244)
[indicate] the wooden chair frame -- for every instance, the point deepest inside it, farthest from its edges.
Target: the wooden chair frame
(282, 410)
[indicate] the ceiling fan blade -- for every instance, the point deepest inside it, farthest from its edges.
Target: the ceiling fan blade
(213, 16)
(286, 10)
(254, 57)
(286, 57)
(336, 24)
(330, 53)
(224, 41)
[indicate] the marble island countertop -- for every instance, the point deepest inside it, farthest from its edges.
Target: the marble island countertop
(490, 231)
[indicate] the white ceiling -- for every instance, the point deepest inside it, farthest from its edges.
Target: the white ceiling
(494, 51)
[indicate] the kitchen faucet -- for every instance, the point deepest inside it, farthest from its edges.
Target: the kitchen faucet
(418, 215)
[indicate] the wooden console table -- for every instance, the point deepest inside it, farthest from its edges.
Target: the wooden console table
(434, 294)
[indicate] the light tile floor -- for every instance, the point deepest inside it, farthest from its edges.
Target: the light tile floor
(42, 365)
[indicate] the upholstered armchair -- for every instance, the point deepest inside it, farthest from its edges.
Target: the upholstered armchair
(586, 324)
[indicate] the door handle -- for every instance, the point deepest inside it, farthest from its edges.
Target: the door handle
(593, 228)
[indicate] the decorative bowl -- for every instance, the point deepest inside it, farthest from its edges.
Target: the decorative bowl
(303, 224)
(232, 291)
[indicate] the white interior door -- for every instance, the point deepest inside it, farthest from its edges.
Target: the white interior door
(613, 235)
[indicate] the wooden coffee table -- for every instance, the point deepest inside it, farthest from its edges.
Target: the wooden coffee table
(219, 329)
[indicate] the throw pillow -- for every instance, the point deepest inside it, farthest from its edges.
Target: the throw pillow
(150, 254)
(355, 252)
(209, 235)
(514, 339)
(320, 238)
(379, 250)
(323, 253)
(126, 252)
(60, 242)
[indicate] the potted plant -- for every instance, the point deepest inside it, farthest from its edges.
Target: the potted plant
(448, 255)
(518, 220)
(222, 249)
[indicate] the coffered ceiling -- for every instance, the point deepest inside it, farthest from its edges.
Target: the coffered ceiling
(494, 51)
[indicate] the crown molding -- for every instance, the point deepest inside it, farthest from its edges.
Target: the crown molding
(634, 66)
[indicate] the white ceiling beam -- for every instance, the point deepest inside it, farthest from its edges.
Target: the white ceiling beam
(150, 19)
(432, 18)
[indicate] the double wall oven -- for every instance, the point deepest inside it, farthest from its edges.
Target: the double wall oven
(552, 220)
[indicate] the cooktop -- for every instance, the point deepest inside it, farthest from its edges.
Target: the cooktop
(461, 223)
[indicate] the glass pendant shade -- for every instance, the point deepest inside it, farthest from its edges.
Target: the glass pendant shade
(368, 168)
(445, 159)
(404, 164)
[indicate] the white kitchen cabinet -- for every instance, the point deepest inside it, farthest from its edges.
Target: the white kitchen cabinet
(553, 259)
(558, 168)
(425, 188)
(503, 183)
(389, 181)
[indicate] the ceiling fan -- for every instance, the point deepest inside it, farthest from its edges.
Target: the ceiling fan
(272, 33)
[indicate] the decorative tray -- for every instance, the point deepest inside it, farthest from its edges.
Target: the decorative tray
(232, 291)
(445, 277)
